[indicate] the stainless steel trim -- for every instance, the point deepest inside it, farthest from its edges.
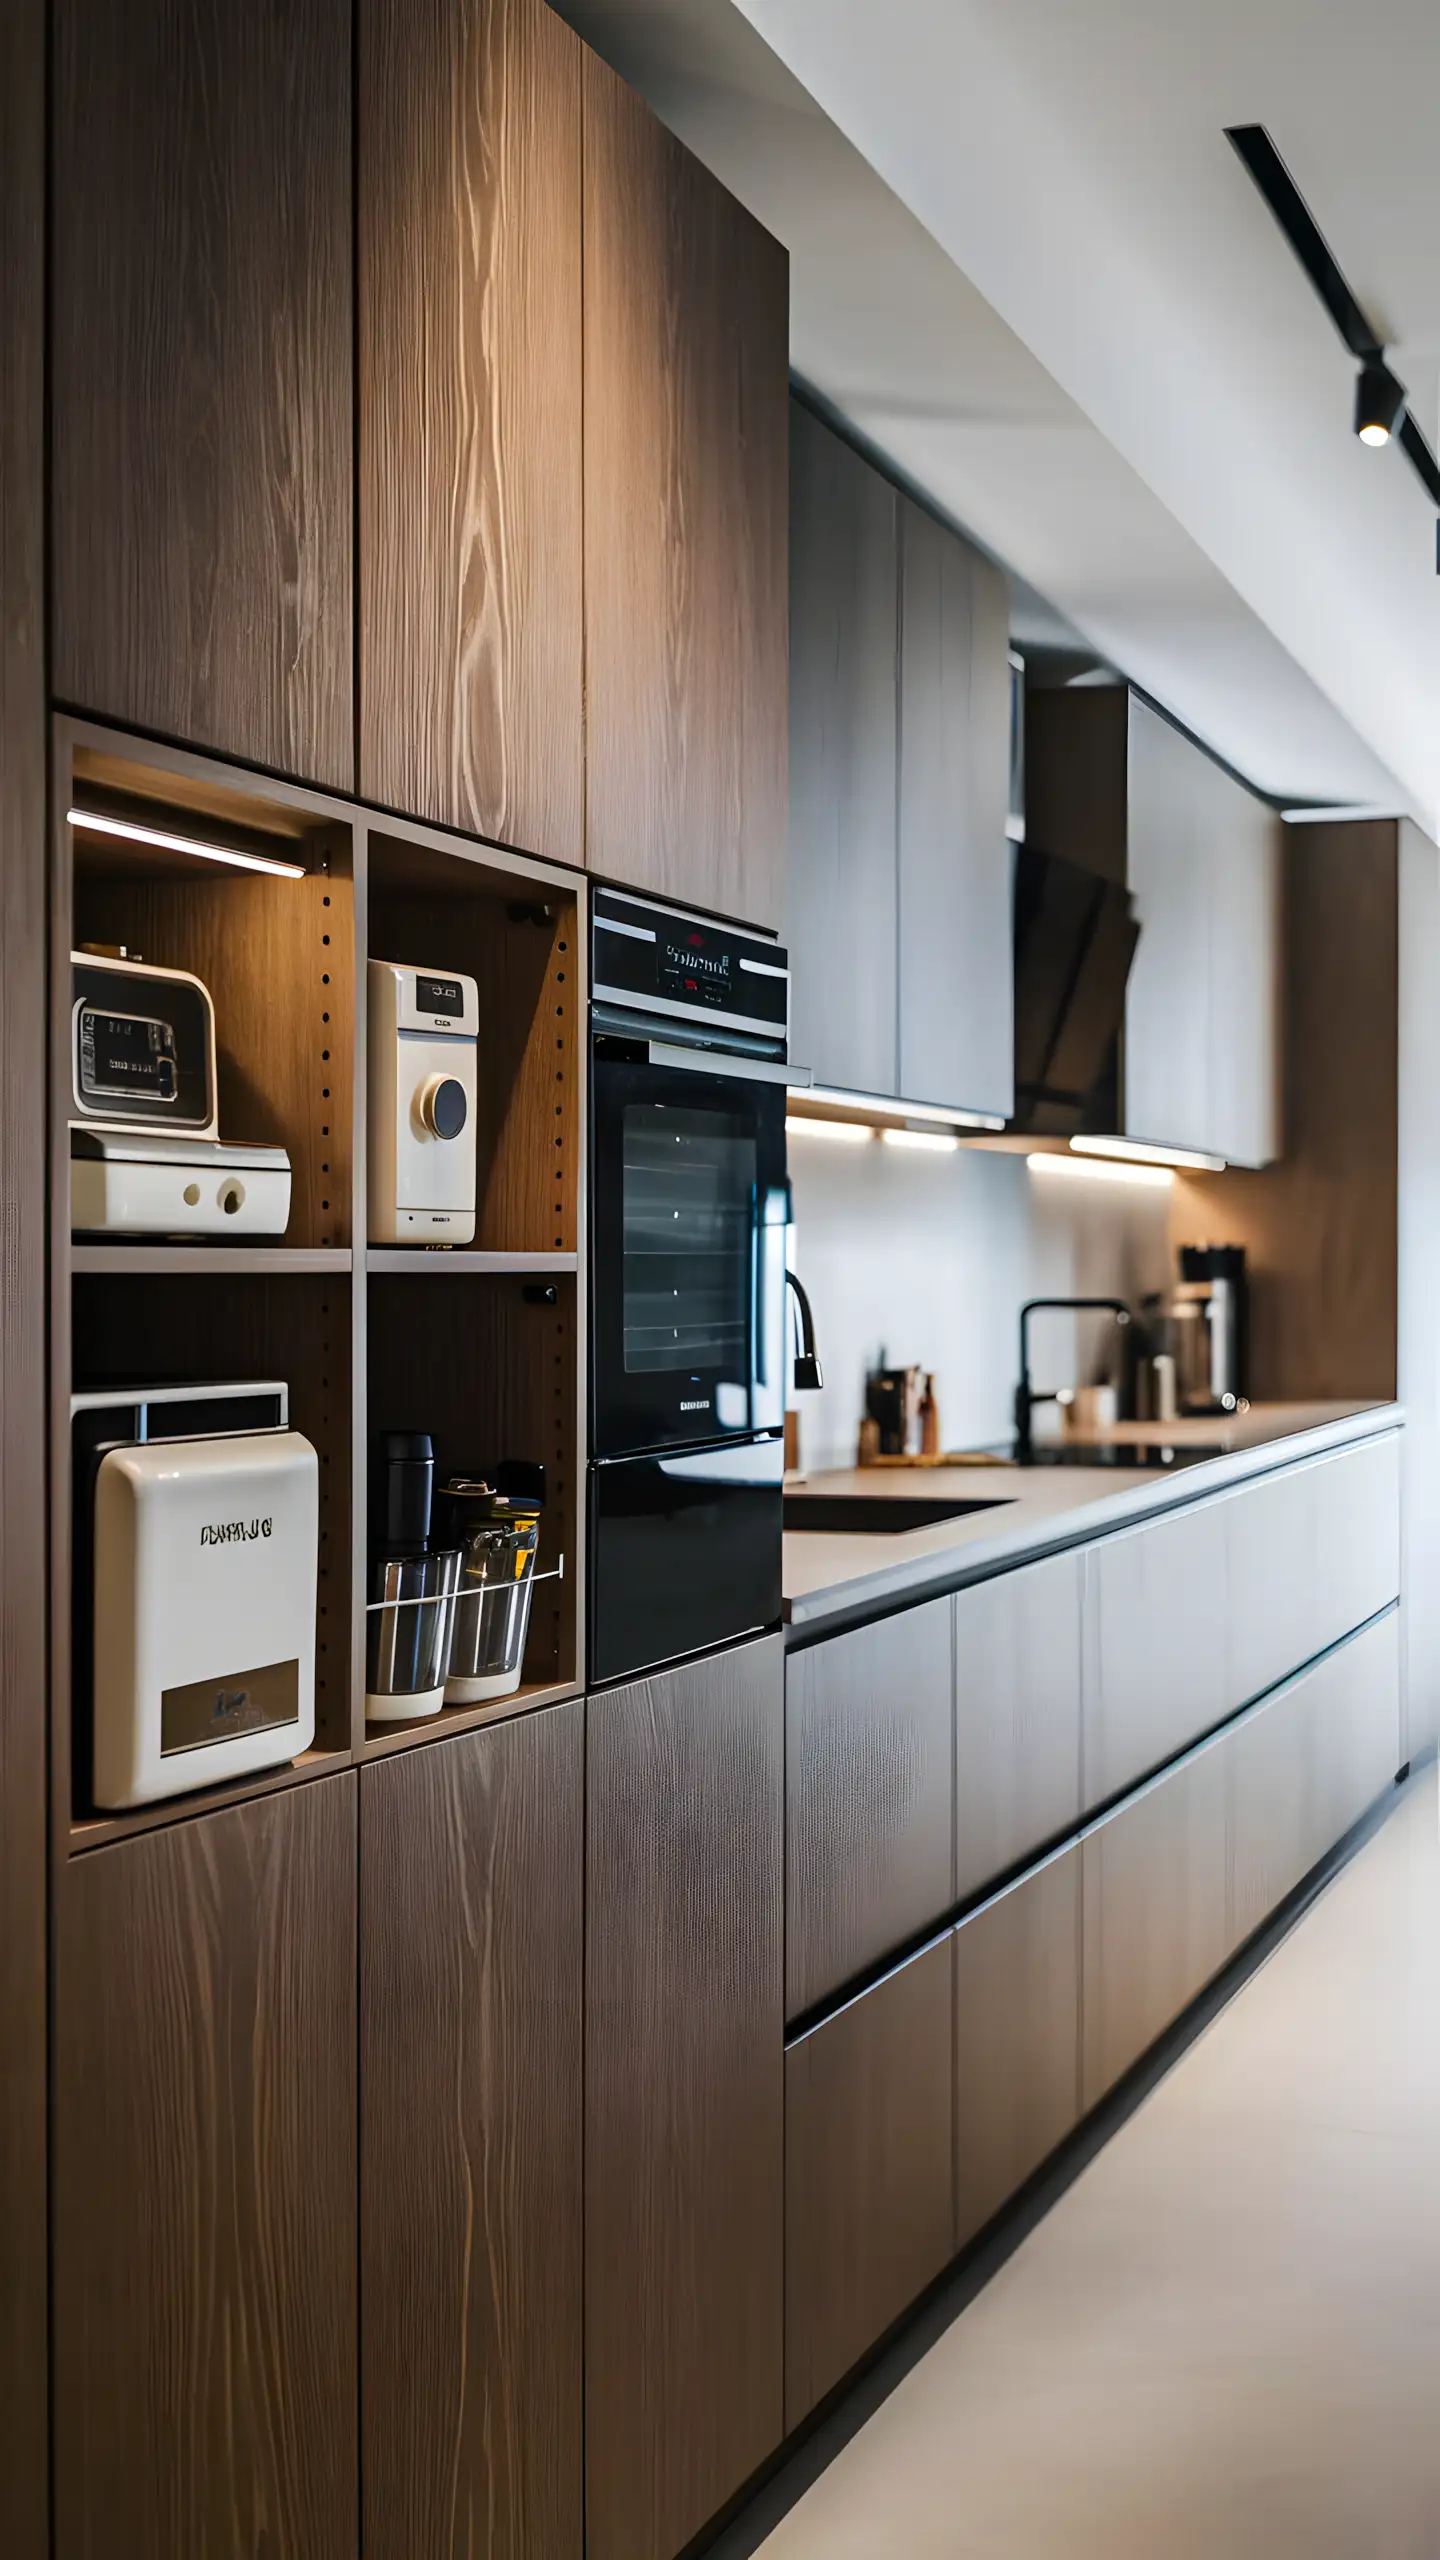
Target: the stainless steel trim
(627, 998)
(632, 932)
(709, 1062)
(762, 968)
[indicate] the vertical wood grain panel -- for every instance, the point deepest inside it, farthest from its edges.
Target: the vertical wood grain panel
(842, 880)
(202, 390)
(869, 1797)
(686, 501)
(1017, 1716)
(471, 693)
(205, 2167)
(23, 2534)
(684, 2097)
(1320, 1226)
(869, 2173)
(471, 1984)
(1017, 2036)
(1156, 1608)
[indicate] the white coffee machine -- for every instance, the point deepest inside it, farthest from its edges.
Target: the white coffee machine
(422, 1040)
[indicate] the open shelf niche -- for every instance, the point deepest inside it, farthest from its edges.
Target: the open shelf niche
(493, 1362)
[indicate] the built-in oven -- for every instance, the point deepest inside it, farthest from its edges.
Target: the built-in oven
(689, 1207)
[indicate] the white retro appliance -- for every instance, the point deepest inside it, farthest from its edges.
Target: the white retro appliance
(422, 1047)
(146, 1155)
(203, 1539)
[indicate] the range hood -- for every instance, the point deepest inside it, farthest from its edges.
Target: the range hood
(1075, 937)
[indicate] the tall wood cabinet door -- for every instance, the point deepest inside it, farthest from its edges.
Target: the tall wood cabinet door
(24, 1702)
(1155, 1644)
(686, 502)
(869, 1798)
(471, 641)
(471, 1866)
(1017, 2035)
(205, 2167)
(1156, 1916)
(202, 393)
(1017, 1716)
(843, 881)
(684, 2096)
(957, 1036)
(869, 2174)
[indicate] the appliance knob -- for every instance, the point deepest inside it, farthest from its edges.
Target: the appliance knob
(443, 1107)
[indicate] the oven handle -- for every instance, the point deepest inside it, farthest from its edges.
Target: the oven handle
(709, 1062)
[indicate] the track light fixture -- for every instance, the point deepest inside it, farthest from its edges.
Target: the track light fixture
(1380, 410)
(1379, 402)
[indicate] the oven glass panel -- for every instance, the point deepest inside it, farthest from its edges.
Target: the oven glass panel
(689, 1224)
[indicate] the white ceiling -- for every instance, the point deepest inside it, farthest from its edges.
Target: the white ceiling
(1028, 267)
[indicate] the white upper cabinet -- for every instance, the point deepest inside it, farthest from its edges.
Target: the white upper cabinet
(898, 908)
(1201, 1016)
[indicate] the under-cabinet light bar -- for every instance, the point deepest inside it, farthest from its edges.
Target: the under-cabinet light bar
(846, 1133)
(1135, 1151)
(934, 1141)
(1095, 1169)
(94, 824)
(891, 1107)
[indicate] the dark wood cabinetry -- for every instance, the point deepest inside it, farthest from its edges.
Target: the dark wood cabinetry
(23, 2269)
(869, 1798)
(683, 2096)
(205, 2162)
(471, 693)
(470, 2042)
(201, 374)
(843, 916)
(869, 2170)
(686, 400)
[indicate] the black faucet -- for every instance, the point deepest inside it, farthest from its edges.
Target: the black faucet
(809, 1376)
(1026, 1397)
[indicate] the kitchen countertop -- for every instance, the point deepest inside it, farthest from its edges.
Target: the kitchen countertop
(838, 1578)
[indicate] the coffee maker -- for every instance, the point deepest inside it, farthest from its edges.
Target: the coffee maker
(1209, 1329)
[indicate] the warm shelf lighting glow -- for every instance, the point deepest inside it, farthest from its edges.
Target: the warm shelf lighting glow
(846, 1133)
(95, 825)
(1095, 1169)
(1135, 1151)
(935, 1142)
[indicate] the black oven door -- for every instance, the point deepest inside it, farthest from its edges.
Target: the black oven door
(688, 1211)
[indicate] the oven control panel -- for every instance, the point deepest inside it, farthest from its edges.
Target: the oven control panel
(659, 960)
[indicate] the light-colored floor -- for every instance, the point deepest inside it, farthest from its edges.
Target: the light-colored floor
(1224, 2341)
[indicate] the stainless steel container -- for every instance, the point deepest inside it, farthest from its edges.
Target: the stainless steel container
(407, 1635)
(497, 1535)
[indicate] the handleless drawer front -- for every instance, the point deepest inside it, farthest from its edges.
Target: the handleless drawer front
(1017, 2035)
(869, 2218)
(1357, 1717)
(869, 1847)
(1155, 1604)
(1017, 1717)
(1156, 1922)
(1313, 1552)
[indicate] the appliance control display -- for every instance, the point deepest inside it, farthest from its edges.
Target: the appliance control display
(126, 1053)
(696, 965)
(440, 995)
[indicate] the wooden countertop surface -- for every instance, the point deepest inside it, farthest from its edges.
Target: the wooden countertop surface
(838, 1577)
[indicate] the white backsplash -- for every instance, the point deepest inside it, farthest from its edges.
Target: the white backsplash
(932, 1256)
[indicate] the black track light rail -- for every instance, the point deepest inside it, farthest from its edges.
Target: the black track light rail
(1254, 147)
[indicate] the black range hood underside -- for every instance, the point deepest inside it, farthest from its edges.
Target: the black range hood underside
(1075, 937)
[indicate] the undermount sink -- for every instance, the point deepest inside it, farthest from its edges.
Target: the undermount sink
(877, 1514)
